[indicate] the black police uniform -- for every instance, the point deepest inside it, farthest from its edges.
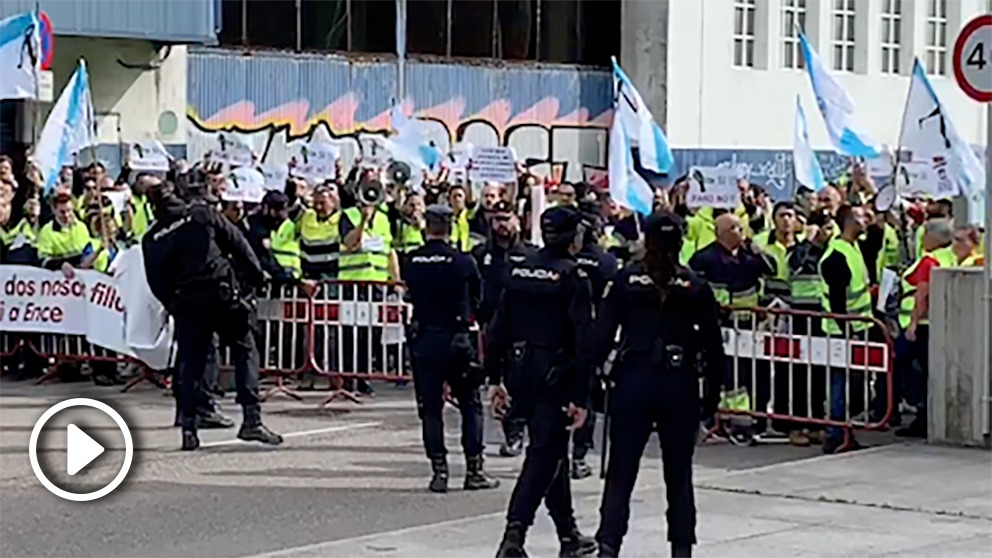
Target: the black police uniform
(655, 385)
(494, 262)
(538, 337)
(601, 267)
(443, 286)
(186, 255)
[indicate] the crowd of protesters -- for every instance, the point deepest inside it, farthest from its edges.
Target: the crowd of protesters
(822, 251)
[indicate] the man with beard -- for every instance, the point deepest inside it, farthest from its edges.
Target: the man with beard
(494, 258)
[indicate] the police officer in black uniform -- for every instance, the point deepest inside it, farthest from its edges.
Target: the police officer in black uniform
(601, 267)
(444, 287)
(670, 334)
(503, 249)
(538, 346)
(191, 256)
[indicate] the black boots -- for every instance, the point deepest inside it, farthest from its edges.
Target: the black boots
(681, 550)
(252, 429)
(513, 542)
(475, 477)
(190, 440)
(439, 482)
(573, 542)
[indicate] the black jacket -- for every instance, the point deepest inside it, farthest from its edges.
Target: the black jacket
(191, 253)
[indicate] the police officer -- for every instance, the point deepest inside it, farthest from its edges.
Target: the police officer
(443, 287)
(494, 259)
(538, 338)
(670, 332)
(191, 256)
(602, 269)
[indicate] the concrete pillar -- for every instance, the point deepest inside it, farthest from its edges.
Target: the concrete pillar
(644, 52)
(957, 390)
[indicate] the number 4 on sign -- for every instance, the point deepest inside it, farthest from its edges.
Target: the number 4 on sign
(973, 58)
(977, 56)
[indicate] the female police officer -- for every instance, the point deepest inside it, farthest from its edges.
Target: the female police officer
(670, 332)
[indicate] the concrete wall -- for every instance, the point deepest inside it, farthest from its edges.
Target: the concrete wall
(131, 104)
(958, 340)
(712, 104)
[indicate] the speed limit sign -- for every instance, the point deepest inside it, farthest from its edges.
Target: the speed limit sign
(973, 59)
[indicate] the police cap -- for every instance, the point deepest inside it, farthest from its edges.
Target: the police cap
(559, 225)
(666, 227)
(438, 212)
(502, 207)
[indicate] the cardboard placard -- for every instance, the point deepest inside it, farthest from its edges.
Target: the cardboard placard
(148, 156)
(232, 151)
(315, 162)
(493, 164)
(245, 184)
(713, 187)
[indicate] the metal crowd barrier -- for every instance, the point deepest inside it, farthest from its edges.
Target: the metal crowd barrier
(782, 369)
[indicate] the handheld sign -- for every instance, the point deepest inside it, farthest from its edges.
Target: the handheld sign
(316, 162)
(375, 151)
(275, 176)
(245, 184)
(493, 164)
(713, 187)
(973, 59)
(148, 156)
(232, 151)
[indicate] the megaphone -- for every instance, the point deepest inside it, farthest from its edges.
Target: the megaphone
(398, 173)
(370, 193)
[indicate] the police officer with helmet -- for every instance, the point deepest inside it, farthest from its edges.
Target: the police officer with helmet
(670, 334)
(198, 265)
(443, 286)
(538, 347)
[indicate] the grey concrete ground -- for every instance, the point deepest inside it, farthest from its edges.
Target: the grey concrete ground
(349, 481)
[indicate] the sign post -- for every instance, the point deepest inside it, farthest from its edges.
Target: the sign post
(973, 72)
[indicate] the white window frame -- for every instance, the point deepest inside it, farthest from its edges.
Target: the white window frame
(892, 22)
(745, 36)
(843, 18)
(792, 55)
(935, 51)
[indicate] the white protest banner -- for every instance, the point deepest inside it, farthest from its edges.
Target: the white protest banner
(315, 162)
(375, 151)
(945, 186)
(36, 299)
(493, 164)
(148, 156)
(275, 176)
(232, 151)
(145, 323)
(119, 200)
(104, 312)
(713, 187)
(245, 184)
(915, 178)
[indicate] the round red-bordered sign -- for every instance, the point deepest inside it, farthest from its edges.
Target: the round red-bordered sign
(47, 41)
(972, 28)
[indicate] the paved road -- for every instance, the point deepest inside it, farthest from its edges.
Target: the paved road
(349, 480)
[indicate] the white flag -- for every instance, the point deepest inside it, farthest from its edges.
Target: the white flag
(806, 166)
(20, 56)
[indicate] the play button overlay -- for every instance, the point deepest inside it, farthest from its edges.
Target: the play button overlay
(81, 449)
(84, 443)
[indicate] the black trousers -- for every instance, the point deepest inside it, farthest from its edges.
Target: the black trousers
(195, 329)
(582, 438)
(209, 386)
(650, 399)
(433, 365)
(544, 475)
(513, 428)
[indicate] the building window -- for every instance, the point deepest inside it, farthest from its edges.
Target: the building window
(891, 36)
(936, 48)
(793, 22)
(309, 25)
(744, 33)
(844, 35)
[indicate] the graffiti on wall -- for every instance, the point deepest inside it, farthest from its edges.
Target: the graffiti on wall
(552, 117)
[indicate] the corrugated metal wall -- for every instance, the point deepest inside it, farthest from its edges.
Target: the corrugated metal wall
(179, 21)
(552, 114)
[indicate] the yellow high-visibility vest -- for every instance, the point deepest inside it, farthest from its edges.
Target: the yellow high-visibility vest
(858, 295)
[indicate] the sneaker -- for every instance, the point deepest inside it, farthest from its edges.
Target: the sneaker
(512, 448)
(799, 439)
(580, 469)
(816, 437)
(259, 433)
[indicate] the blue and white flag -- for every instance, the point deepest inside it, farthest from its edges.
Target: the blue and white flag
(20, 56)
(630, 110)
(929, 136)
(837, 109)
(409, 145)
(70, 128)
(627, 187)
(805, 165)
